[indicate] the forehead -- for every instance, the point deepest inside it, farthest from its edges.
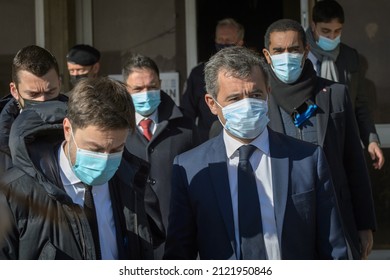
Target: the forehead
(28, 79)
(141, 75)
(73, 66)
(334, 24)
(226, 31)
(93, 133)
(229, 84)
(285, 38)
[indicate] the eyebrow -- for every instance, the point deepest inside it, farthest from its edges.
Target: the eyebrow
(328, 29)
(238, 94)
(96, 146)
(291, 48)
(33, 92)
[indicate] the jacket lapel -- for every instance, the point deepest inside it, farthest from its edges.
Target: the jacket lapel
(220, 182)
(280, 178)
(322, 101)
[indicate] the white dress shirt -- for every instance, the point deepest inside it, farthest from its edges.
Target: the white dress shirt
(153, 125)
(261, 164)
(101, 195)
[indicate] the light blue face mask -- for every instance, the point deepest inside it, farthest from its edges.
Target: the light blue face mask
(287, 66)
(146, 102)
(328, 44)
(94, 168)
(246, 118)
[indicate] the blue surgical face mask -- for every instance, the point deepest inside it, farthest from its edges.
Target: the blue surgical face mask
(246, 118)
(94, 168)
(287, 66)
(146, 102)
(328, 44)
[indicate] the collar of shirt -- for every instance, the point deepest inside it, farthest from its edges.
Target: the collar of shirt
(261, 142)
(69, 177)
(153, 117)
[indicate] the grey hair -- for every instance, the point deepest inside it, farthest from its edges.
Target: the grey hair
(237, 62)
(234, 23)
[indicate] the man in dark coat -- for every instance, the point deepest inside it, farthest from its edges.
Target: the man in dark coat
(168, 132)
(228, 32)
(338, 62)
(35, 79)
(59, 155)
(319, 111)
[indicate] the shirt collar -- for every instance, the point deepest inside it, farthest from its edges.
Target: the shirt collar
(261, 142)
(153, 117)
(69, 177)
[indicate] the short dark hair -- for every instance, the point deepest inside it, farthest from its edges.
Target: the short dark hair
(84, 55)
(326, 11)
(138, 61)
(237, 61)
(283, 25)
(102, 102)
(35, 60)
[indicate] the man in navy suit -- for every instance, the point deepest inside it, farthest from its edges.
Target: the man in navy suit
(294, 194)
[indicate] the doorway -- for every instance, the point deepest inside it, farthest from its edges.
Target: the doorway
(254, 15)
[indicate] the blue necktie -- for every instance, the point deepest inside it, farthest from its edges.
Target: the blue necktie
(249, 212)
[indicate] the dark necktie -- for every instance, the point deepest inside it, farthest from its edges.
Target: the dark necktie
(249, 212)
(90, 212)
(145, 124)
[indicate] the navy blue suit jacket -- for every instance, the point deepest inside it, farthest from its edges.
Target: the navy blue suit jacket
(201, 216)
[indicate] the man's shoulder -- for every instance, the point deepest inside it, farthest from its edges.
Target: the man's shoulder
(197, 71)
(199, 153)
(349, 56)
(199, 68)
(16, 178)
(347, 49)
(325, 86)
(169, 111)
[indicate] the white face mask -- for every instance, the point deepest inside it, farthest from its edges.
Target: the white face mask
(146, 102)
(246, 118)
(328, 44)
(287, 66)
(93, 168)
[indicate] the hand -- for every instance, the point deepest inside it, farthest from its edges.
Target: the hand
(366, 242)
(376, 155)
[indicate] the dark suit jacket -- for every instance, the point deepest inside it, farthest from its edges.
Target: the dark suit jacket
(351, 74)
(201, 218)
(175, 134)
(337, 133)
(193, 103)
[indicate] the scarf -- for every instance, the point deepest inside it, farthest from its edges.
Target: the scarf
(327, 58)
(292, 96)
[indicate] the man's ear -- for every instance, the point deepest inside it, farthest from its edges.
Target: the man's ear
(305, 54)
(211, 103)
(267, 55)
(312, 26)
(96, 68)
(67, 129)
(14, 90)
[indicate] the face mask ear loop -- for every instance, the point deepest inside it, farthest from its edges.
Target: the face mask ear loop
(72, 136)
(215, 100)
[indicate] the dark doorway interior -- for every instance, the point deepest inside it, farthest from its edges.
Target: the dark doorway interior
(255, 15)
